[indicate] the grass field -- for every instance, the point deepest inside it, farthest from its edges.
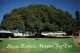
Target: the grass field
(38, 45)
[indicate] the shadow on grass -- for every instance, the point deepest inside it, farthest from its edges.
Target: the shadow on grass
(1, 40)
(45, 37)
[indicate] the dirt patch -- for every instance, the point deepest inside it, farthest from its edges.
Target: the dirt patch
(2, 50)
(26, 51)
(77, 45)
(12, 49)
(75, 37)
(14, 38)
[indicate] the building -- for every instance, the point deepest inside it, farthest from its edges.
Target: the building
(77, 33)
(6, 34)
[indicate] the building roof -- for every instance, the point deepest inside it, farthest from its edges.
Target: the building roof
(5, 32)
(78, 31)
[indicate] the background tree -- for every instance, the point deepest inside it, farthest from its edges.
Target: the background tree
(77, 13)
(13, 22)
(39, 18)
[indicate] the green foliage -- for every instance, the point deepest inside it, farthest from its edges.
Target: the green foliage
(38, 18)
(12, 22)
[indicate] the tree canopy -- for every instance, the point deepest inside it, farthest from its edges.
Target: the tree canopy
(39, 18)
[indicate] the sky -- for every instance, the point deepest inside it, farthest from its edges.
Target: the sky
(66, 5)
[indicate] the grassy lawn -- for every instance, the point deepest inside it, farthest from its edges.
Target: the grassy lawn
(39, 45)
